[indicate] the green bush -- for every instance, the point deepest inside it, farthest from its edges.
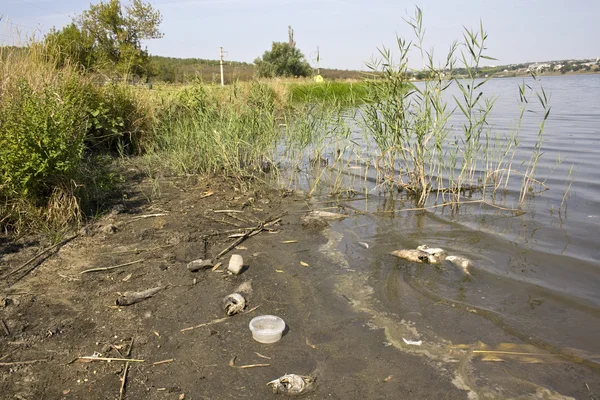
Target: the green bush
(41, 138)
(118, 118)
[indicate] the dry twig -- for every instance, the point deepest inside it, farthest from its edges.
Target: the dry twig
(214, 321)
(12, 363)
(163, 361)
(123, 380)
(256, 230)
(13, 272)
(109, 268)
(108, 359)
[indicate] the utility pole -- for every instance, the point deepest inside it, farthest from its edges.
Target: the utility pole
(221, 58)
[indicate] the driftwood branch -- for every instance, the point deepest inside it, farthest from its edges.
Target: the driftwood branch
(129, 298)
(109, 268)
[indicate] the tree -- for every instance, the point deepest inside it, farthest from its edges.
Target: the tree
(282, 60)
(70, 45)
(112, 36)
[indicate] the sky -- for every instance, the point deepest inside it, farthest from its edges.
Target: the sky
(347, 33)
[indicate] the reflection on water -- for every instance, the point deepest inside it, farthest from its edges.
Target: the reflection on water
(536, 275)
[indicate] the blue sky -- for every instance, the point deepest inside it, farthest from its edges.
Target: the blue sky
(348, 32)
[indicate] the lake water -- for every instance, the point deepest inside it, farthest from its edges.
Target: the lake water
(535, 285)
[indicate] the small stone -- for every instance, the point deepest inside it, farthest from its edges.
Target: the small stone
(236, 263)
(200, 264)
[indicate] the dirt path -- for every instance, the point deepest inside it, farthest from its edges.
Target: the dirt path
(56, 314)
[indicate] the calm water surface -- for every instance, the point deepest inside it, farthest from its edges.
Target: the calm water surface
(536, 276)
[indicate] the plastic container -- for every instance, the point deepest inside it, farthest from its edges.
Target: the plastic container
(267, 328)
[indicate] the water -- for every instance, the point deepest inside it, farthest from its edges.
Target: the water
(536, 276)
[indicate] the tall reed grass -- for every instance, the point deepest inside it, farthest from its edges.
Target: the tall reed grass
(421, 151)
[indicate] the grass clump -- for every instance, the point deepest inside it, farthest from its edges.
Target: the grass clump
(420, 150)
(345, 93)
(209, 129)
(54, 123)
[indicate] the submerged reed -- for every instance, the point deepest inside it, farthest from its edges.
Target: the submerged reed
(421, 151)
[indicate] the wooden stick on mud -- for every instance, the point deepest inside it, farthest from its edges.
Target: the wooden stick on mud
(163, 361)
(256, 230)
(129, 298)
(253, 366)
(9, 364)
(145, 216)
(38, 255)
(109, 268)
(5, 327)
(232, 364)
(214, 321)
(123, 380)
(109, 359)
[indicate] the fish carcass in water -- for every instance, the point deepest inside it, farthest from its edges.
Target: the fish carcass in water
(417, 256)
(292, 384)
(436, 255)
(460, 262)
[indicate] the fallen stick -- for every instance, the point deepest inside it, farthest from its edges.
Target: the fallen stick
(227, 211)
(214, 321)
(248, 234)
(222, 221)
(8, 364)
(109, 359)
(261, 356)
(232, 364)
(145, 216)
(5, 327)
(253, 366)
(109, 268)
(36, 256)
(123, 379)
(163, 361)
(7, 354)
(129, 298)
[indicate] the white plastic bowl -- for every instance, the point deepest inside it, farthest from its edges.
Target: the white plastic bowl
(267, 328)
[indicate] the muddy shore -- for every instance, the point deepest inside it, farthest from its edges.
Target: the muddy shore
(55, 314)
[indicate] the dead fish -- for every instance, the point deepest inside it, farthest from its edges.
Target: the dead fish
(434, 251)
(460, 262)
(292, 384)
(436, 255)
(234, 304)
(417, 256)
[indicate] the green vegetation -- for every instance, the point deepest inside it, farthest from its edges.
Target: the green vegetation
(348, 93)
(62, 124)
(284, 59)
(108, 38)
(419, 152)
(208, 129)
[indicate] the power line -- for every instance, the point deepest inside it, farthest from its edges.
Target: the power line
(37, 6)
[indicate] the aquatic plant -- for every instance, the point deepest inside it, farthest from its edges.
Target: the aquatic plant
(421, 151)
